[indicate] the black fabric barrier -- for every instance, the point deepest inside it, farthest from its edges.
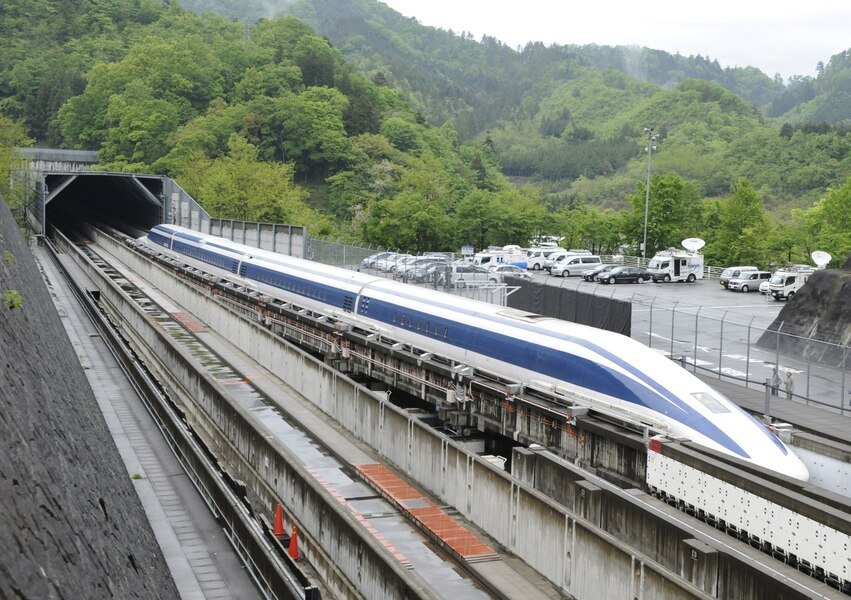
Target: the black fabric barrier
(571, 305)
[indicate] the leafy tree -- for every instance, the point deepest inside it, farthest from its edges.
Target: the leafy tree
(12, 134)
(829, 222)
(672, 212)
(417, 217)
(315, 57)
(405, 136)
(138, 128)
(743, 228)
(208, 133)
(183, 73)
(497, 218)
(372, 175)
(269, 80)
(240, 186)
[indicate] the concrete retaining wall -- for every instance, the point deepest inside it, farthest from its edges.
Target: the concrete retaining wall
(72, 524)
(575, 554)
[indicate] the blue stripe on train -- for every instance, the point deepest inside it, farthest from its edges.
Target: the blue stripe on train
(561, 365)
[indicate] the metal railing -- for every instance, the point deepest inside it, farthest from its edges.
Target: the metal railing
(796, 367)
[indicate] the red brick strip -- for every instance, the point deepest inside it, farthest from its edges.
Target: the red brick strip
(444, 528)
(363, 520)
(188, 322)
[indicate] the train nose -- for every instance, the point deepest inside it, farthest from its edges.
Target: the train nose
(795, 467)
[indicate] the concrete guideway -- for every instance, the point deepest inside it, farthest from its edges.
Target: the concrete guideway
(407, 545)
(202, 561)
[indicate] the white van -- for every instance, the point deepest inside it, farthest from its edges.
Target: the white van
(748, 281)
(574, 265)
(536, 257)
(733, 273)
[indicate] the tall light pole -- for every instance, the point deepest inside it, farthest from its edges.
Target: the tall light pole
(649, 149)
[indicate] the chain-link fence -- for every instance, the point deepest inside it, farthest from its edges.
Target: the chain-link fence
(712, 341)
(340, 254)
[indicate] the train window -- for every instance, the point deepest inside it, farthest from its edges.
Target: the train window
(394, 317)
(710, 402)
(446, 333)
(428, 326)
(402, 320)
(419, 324)
(437, 330)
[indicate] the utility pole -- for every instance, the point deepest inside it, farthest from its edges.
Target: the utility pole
(651, 137)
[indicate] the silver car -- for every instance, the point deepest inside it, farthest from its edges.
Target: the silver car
(498, 273)
(748, 281)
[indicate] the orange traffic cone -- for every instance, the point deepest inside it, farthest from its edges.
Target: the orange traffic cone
(294, 553)
(278, 529)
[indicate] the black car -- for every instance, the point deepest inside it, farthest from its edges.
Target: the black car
(625, 275)
(596, 272)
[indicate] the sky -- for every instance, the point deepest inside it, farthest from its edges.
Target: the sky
(780, 36)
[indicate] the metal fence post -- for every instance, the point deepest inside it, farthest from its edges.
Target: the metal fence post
(777, 351)
(842, 390)
(809, 363)
(721, 344)
(694, 366)
(673, 314)
(767, 415)
(748, 354)
(650, 329)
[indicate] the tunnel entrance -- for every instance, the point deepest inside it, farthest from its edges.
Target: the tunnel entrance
(59, 187)
(130, 203)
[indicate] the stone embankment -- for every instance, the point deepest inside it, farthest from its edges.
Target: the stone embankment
(73, 526)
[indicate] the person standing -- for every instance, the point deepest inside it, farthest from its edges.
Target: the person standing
(790, 385)
(775, 382)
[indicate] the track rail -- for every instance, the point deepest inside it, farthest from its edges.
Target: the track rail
(275, 574)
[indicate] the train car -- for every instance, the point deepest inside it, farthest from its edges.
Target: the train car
(555, 356)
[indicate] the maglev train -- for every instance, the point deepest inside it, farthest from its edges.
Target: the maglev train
(607, 370)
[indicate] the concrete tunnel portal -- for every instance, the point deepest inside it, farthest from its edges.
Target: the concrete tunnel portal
(130, 203)
(62, 189)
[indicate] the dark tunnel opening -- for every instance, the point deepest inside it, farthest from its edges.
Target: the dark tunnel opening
(130, 203)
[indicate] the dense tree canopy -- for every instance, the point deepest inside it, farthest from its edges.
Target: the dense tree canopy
(410, 141)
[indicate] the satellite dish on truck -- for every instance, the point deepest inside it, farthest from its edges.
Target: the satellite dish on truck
(821, 258)
(693, 244)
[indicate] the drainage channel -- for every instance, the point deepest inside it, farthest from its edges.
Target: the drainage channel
(439, 572)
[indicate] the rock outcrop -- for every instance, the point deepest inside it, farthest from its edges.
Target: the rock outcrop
(820, 311)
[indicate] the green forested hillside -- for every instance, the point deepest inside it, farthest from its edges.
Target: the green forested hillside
(567, 115)
(402, 135)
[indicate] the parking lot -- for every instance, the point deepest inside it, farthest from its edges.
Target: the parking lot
(708, 328)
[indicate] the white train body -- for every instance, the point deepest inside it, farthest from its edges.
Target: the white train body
(605, 369)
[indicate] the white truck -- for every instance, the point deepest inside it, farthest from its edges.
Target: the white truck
(786, 282)
(509, 255)
(678, 265)
(536, 258)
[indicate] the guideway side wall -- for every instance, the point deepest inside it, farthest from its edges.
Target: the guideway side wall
(331, 538)
(572, 552)
(666, 540)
